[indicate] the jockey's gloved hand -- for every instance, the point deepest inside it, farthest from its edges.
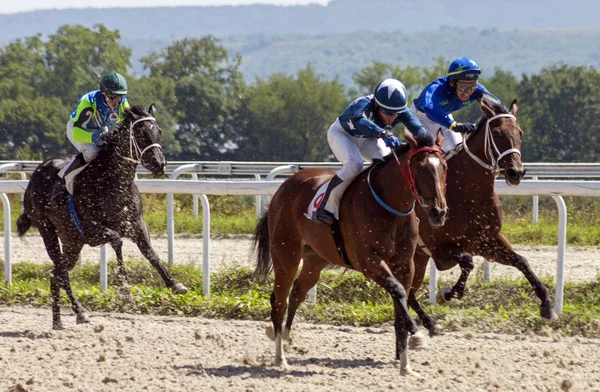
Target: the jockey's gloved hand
(390, 140)
(464, 128)
(97, 139)
(424, 138)
(106, 135)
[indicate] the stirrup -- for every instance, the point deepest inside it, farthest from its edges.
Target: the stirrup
(324, 217)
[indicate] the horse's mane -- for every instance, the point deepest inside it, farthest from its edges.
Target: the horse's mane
(400, 150)
(137, 110)
(493, 103)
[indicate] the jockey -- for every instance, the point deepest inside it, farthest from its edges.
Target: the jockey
(362, 131)
(88, 126)
(447, 94)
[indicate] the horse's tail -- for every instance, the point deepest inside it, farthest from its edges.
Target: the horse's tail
(262, 245)
(23, 224)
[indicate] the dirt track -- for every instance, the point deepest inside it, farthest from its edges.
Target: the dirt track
(128, 352)
(123, 352)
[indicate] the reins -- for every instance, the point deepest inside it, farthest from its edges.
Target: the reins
(133, 145)
(490, 148)
(408, 176)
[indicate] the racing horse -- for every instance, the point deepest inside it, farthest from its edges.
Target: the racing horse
(106, 205)
(377, 225)
(475, 212)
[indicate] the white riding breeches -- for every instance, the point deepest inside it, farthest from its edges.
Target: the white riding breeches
(351, 152)
(89, 150)
(451, 138)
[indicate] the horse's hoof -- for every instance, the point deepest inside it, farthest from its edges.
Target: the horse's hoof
(58, 326)
(416, 341)
(409, 372)
(179, 288)
(281, 362)
(83, 318)
(548, 313)
(436, 330)
(270, 332)
(441, 297)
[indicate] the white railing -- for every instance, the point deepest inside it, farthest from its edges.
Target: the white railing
(554, 188)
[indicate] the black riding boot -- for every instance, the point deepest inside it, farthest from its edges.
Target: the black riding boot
(322, 215)
(59, 187)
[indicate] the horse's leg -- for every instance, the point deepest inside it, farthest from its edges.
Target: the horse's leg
(71, 252)
(403, 322)
(286, 259)
(312, 265)
(402, 270)
(50, 237)
(451, 254)
(401, 340)
(499, 250)
(421, 262)
(122, 272)
(142, 240)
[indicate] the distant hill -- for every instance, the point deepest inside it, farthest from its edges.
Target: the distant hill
(346, 35)
(342, 55)
(339, 16)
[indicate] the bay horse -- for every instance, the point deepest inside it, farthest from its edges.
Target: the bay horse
(475, 213)
(106, 205)
(377, 226)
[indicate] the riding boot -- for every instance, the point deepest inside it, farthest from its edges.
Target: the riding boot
(321, 214)
(59, 187)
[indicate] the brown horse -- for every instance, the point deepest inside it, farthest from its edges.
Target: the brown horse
(475, 212)
(379, 243)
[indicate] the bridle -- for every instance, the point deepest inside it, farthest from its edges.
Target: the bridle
(409, 177)
(135, 152)
(490, 148)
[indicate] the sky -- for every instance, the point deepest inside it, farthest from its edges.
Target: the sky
(11, 7)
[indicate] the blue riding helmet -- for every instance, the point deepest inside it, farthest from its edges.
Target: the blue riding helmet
(391, 96)
(464, 68)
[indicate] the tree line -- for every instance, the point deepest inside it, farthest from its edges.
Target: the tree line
(209, 112)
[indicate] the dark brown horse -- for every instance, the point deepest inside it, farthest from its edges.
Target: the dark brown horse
(107, 203)
(475, 212)
(378, 242)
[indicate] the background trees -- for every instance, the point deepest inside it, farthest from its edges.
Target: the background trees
(208, 112)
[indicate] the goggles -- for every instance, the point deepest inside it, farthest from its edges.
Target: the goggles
(113, 97)
(466, 87)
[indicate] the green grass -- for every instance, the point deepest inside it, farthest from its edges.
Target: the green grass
(503, 305)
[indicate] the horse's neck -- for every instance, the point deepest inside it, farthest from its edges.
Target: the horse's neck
(463, 169)
(392, 186)
(111, 164)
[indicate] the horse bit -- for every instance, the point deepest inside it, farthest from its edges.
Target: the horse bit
(133, 145)
(489, 143)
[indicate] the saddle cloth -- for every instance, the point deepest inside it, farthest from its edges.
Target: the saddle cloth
(332, 205)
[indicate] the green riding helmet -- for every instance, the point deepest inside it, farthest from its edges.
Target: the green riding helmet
(113, 83)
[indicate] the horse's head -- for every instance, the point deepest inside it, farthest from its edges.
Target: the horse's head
(138, 139)
(501, 139)
(428, 178)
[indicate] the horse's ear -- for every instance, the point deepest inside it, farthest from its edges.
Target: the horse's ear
(410, 139)
(514, 108)
(440, 138)
(152, 110)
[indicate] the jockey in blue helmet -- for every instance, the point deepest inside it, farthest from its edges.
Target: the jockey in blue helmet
(447, 94)
(362, 132)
